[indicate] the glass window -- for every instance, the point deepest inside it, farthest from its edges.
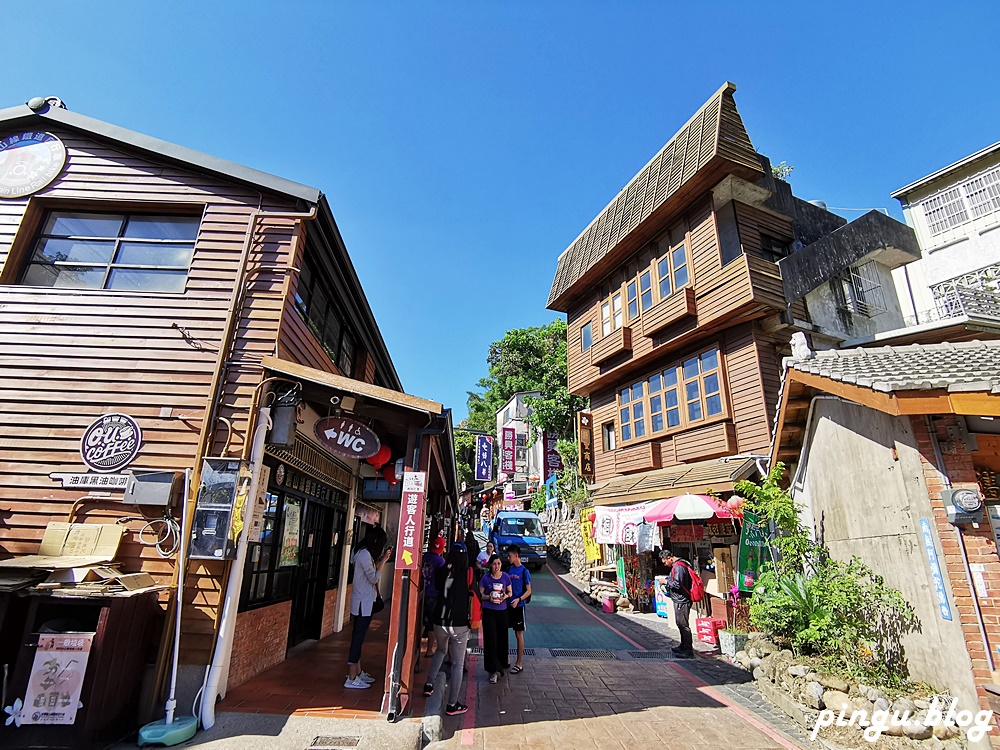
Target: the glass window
(679, 261)
(80, 250)
(637, 391)
(655, 383)
(586, 336)
(616, 311)
(663, 274)
(691, 368)
(608, 431)
(337, 338)
(645, 287)
(638, 422)
(605, 318)
(346, 359)
(656, 413)
(633, 303)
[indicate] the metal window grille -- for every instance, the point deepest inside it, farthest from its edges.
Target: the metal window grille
(859, 290)
(983, 193)
(944, 211)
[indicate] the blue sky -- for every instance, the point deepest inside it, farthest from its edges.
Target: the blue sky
(464, 145)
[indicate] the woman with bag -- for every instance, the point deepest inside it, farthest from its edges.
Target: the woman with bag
(495, 588)
(368, 559)
(451, 624)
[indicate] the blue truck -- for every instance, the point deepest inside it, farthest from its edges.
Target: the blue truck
(523, 528)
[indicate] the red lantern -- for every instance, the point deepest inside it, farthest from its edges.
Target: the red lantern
(389, 474)
(381, 458)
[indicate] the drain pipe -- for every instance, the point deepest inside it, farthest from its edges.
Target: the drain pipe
(227, 624)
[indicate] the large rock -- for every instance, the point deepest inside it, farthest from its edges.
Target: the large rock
(837, 700)
(917, 730)
(754, 662)
(812, 696)
(834, 683)
(758, 674)
(764, 647)
(946, 731)
(742, 658)
(798, 670)
(905, 704)
(882, 704)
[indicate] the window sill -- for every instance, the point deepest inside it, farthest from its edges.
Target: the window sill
(89, 292)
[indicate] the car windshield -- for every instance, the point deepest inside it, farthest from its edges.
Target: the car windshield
(521, 527)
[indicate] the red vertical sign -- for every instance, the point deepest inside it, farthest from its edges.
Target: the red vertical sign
(411, 521)
(507, 450)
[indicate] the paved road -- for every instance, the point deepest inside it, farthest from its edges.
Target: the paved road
(619, 701)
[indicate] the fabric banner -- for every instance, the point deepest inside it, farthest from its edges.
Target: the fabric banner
(590, 545)
(619, 525)
(484, 458)
(508, 445)
(753, 548)
(649, 537)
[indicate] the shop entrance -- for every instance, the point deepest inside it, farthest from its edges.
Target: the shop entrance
(310, 579)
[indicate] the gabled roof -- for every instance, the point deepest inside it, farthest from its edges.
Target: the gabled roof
(955, 367)
(24, 116)
(717, 474)
(715, 132)
(954, 167)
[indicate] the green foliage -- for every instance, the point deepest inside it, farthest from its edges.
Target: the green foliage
(465, 453)
(570, 486)
(842, 612)
(781, 171)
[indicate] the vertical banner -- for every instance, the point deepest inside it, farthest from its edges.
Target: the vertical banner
(551, 492)
(590, 546)
(586, 433)
(56, 679)
(940, 593)
(484, 458)
(553, 461)
(753, 548)
(507, 449)
(289, 554)
(411, 512)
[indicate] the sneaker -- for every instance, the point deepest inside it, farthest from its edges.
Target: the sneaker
(682, 654)
(455, 709)
(365, 677)
(493, 678)
(356, 684)
(428, 689)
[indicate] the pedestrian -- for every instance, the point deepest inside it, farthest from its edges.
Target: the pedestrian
(679, 584)
(520, 587)
(472, 545)
(433, 562)
(451, 624)
(494, 588)
(484, 557)
(368, 559)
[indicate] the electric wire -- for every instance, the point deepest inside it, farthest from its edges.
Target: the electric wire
(168, 538)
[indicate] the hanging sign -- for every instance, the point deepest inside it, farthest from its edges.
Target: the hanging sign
(110, 443)
(347, 437)
(290, 534)
(585, 430)
(411, 513)
(508, 446)
(553, 461)
(484, 458)
(619, 525)
(29, 162)
(753, 548)
(686, 533)
(56, 681)
(932, 558)
(91, 481)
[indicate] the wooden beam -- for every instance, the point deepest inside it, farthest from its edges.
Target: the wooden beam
(883, 402)
(979, 404)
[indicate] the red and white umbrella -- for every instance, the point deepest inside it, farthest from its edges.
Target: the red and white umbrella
(686, 508)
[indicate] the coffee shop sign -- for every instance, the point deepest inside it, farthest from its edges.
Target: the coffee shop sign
(110, 443)
(347, 437)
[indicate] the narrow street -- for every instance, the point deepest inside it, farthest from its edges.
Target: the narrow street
(588, 684)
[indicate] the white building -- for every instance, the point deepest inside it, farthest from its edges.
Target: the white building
(955, 213)
(529, 460)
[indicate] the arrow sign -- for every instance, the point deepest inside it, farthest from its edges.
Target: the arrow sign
(411, 522)
(407, 557)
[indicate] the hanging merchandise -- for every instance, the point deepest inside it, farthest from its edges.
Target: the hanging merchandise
(648, 537)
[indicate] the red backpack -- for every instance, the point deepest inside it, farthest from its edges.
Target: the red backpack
(697, 591)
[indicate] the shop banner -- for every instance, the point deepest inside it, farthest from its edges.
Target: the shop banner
(56, 680)
(590, 546)
(553, 461)
(620, 574)
(508, 447)
(484, 458)
(411, 513)
(585, 430)
(619, 525)
(681, 532)
(940, 593)
(753, 552)
(290, 534)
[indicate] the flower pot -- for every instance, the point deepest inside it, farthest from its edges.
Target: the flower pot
(730, 642)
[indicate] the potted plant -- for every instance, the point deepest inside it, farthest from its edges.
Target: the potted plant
(733, 638)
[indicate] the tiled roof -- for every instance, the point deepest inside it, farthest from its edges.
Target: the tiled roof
(715, 474)
(961, 366)
(715, 130)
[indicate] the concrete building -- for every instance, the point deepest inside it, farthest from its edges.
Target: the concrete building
(535, 457)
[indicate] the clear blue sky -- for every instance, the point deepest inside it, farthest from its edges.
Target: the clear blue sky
(464, 145)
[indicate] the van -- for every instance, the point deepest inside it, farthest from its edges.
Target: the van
(523, 528)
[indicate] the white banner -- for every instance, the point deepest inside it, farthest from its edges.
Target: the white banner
(618, 525)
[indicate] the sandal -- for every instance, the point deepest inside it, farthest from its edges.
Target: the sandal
(493, 678)
(516, 669)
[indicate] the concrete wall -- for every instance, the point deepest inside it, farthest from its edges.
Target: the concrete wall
(843, 324)
(866, 502)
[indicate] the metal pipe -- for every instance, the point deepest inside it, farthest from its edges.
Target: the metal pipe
(179, 590)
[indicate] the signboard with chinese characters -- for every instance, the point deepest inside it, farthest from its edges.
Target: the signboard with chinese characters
(411, 514)
(28, 162)
(618, 525)
(347, 437)
(553, 461)
(753, 548)
(508, 448)
(259, 506)
(290, 534)
(484, 458)
(590, 546)
(91, 481)
(56, 681)
(940, 593)
(586, 432)
(111, 442)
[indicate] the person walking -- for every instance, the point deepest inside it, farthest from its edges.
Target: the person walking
(433, 562)
(494, 587)
(679, 584)
(473, 547)
(368, 559)
(451, 624)
(520, 588)
(483, 560)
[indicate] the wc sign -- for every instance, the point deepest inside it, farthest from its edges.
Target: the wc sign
(347, 437)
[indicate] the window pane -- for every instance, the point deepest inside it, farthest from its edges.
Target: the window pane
(692, 390)
(640, 428)
(673, 417)
(587, 336)
(617, 322)
(694, 410)
(712, 383)
(637, 411)
(74, 251)
(657, 422)
(680, 277)
(66, 277)
(713, 404)
(163, 227)
(655, 383)
(346, 361)
(147, 281)
(644, 282)
(655, 404)
(709, 361)
(669, 377)
(626, 416)
(626, 432)
(679, 258)
(663, 273)
(633, 304)
(153, 254)
(331, 334)
(647, 300)
(70, 224)
(691, 368)
(671, 397)
(626, 395)
(616, 303)
(637, 391)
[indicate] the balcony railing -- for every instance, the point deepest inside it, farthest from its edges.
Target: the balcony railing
(959, 301)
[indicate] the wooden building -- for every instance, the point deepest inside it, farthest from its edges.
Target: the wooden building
(142, 278)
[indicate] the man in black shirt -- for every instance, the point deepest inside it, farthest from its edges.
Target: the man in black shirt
(679, 585)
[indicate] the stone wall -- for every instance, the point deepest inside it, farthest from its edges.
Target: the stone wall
(565, 545)
(260, 641)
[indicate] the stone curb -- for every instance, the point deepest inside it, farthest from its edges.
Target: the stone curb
(431, 722)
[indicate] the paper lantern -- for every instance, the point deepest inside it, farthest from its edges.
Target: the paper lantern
(381, 457)
(389, 474)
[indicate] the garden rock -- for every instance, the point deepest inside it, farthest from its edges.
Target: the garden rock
(946, 731)
(905, 704)
(758, 673)
(764, 647)
(917, 730)
(742, 658)
(834, 683)
(754, 662)
(921, 703)
(798, 670)
(882, 704)
(836, 700)
(812, 696)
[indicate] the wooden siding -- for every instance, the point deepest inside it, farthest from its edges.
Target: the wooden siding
(641, 457)
(617, 342)
(602, 408)
(72, 355)
(705, 442)
(746, 394)
(753, 222)
(668, 312)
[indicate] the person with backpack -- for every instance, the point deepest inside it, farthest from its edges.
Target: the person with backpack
(451, 623)
(685, 587)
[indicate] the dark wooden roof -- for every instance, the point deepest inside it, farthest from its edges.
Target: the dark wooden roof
(713, 138)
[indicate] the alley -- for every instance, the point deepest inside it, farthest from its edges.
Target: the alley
(588, 684)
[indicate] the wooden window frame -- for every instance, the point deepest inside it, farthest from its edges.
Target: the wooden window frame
(609, 437)
(648, 395)
(672, 267)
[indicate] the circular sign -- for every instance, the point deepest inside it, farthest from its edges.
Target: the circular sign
(347, 437)
(29, 162)
(967, 500)
(279, 475)
(111, 442)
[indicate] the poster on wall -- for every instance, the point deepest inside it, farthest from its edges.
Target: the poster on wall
(53, 694)
(619, 525)
(753, 548)
(290, 534)
(590, 545)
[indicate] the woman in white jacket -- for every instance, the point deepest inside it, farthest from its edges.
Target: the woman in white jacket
(368, 558)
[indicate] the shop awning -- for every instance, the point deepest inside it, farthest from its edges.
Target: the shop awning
(718, 474)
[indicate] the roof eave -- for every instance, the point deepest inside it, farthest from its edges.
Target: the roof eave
(953, 167)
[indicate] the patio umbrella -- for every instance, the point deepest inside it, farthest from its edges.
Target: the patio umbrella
(686, 508)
